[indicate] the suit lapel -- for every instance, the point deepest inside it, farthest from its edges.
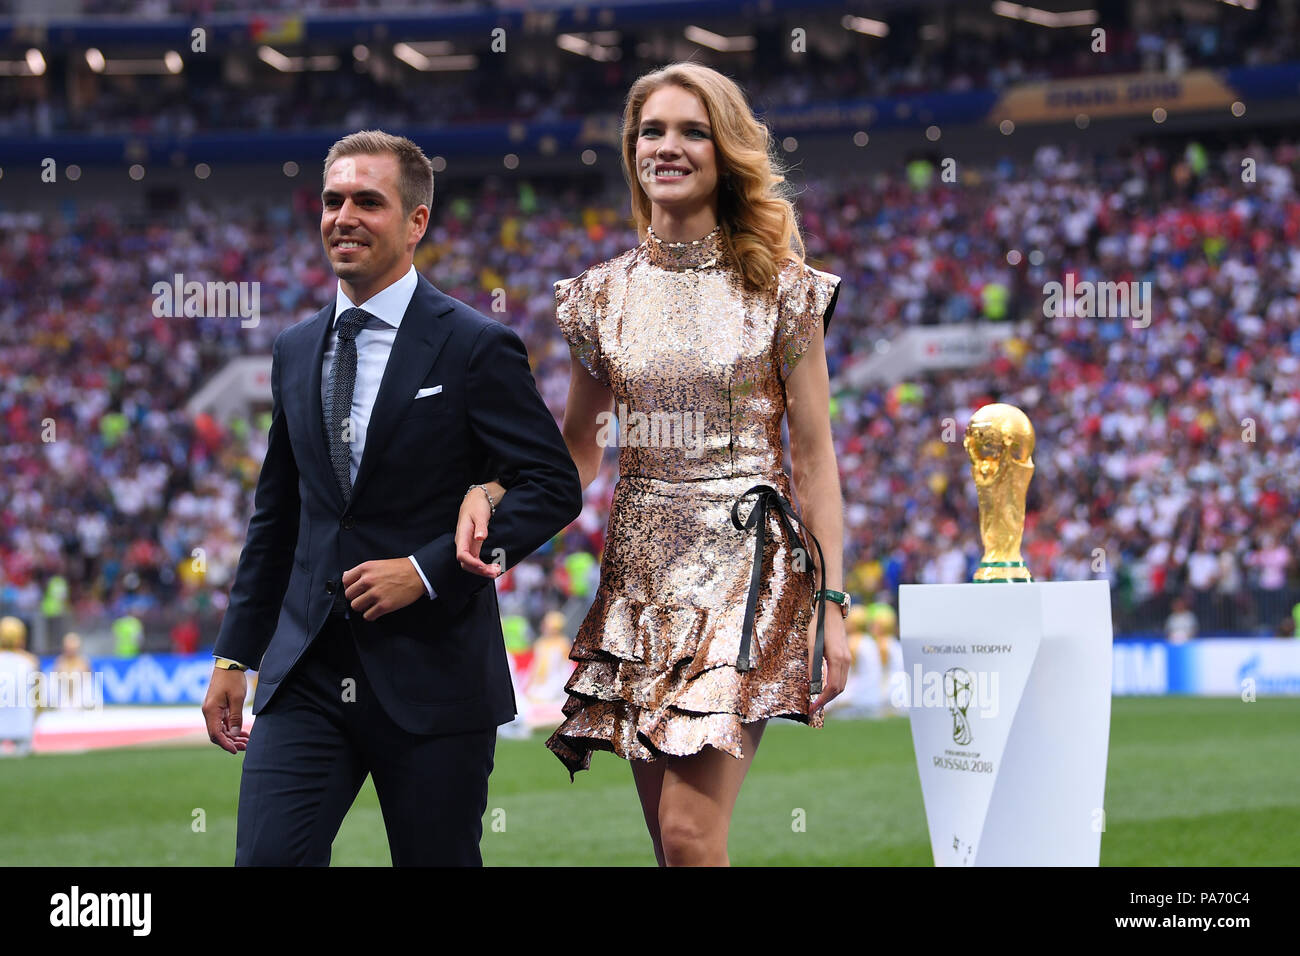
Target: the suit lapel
(312, 405)
(420, 338)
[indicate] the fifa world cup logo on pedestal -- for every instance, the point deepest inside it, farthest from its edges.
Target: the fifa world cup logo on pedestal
(1000, 443)
(957, 695)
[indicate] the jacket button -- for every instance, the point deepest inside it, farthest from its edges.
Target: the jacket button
(347, 522)
(329, 586)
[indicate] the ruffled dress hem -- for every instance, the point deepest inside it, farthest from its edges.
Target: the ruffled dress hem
(656, 680)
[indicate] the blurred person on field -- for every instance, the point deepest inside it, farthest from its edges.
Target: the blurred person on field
(13, 638)
(1180, 626)
(551, 664)
(185, 636)
(861, 697)
(515, 630)
(128, 635)
(72, 670)
(71, 659)
(884, 631)
(18, 672)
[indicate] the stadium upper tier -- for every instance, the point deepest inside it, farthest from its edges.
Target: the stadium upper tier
(808, 65)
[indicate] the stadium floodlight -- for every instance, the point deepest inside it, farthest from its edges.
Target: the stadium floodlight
(275, 59)
(596, 48)
(171, 63)
(716, 41)
(875, 28)
(1044, 18)
(430, 48)
(423, 57)
(296, 64)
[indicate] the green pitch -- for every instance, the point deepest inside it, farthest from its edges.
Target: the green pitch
(1191, 782)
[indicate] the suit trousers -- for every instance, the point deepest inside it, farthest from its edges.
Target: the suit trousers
(309, 752)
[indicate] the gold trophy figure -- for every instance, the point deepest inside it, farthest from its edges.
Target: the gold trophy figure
(1000, 441)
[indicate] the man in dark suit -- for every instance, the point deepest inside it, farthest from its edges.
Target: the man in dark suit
(377, 652)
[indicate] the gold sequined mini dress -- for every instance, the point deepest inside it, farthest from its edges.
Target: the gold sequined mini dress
(697, 364)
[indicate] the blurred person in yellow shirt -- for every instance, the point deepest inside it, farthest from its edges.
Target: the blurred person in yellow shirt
(861, 697)
(551, 664)
(72, 673)
(884, 631)
(19, 689)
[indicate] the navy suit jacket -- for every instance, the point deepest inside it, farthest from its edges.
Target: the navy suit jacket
(437, 666)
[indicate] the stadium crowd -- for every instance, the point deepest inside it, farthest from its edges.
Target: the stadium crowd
(1168, 457)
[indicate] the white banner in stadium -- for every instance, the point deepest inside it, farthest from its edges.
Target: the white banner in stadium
(967, 345)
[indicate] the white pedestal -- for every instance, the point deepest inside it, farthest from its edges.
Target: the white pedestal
(1008, 689)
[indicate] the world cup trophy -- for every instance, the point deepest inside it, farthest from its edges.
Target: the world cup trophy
(1000, 443)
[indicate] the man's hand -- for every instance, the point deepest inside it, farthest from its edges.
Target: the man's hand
(223, 709)
(377, 587)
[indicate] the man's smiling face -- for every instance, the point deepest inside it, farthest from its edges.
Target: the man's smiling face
(368, 238)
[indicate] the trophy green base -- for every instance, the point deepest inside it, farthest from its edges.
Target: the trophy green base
(1002, 572)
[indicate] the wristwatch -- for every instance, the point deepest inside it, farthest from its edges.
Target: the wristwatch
(228, 665)
(845, 601)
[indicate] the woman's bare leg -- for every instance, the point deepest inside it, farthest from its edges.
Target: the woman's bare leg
(649, 777)
(696, 798)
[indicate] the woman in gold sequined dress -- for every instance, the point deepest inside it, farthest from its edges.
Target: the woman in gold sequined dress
(697, 343)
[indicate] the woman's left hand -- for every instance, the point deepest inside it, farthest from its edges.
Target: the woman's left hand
(835, 673)
(471, 531)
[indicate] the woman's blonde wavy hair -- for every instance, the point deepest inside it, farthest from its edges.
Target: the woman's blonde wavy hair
(759, 225)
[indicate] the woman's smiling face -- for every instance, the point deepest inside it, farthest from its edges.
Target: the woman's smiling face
(675, 159)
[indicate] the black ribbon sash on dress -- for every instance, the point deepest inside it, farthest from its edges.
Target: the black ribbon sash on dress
(769, 497)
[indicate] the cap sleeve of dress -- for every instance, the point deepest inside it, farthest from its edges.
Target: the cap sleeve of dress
(806, 297)
(578, 306)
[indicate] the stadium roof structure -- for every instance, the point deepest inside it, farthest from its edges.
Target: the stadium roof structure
(1269, 89)
(62, 30)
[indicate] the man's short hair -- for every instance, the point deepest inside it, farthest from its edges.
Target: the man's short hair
(415, 172)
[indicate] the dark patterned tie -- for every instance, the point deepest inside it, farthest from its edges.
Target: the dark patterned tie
(337, 407)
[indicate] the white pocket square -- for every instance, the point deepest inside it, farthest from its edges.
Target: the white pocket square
(426, 392)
